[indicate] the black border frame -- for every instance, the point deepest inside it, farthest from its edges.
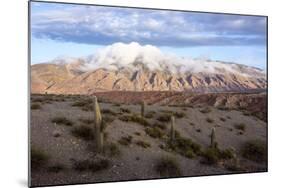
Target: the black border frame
(132, 7)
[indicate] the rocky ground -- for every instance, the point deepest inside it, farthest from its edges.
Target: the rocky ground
(63, 151)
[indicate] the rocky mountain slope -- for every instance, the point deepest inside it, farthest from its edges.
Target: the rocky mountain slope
(132, 67)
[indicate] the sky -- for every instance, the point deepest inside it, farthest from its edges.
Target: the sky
(68, 30)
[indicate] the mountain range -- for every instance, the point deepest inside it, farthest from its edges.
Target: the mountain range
(133, 67)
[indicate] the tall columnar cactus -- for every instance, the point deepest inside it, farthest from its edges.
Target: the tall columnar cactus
(213, 138)
(172, 130)
(98, 126)
(142, 108)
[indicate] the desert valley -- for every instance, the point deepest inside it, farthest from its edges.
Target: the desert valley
(162, 116)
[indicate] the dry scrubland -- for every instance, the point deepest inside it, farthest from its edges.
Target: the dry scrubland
(63, 151)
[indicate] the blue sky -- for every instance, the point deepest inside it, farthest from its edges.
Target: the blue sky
(79, 30)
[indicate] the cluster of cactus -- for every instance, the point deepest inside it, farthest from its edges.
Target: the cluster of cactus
(99, 126)
(172, 130)
(142, 108)
(214, 143)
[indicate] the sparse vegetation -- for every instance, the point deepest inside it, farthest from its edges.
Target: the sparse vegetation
(35, 106)
(38, 158)
(135, 118)
(222, 119)
(167, 167)
(255, 150)
(213, 155)
(62, 121)
(159, 125)
(56, 168)
(240, 126)
(112, 150)
(125, 140)
(143, 144)
(84, 132)
(125, 110)
(164, 118)
(82, 103)
(91, 165)
(108, 111)
(206, 110)
(154, 132)
(209, 120)
(185, 147)
(149, 114)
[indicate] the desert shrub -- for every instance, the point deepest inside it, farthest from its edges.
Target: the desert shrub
(209, 120)
(125, 110)
(149, 114)
(255, 150)
(56, 168)
(108, 111)
(135, 118)
(88, 108)
(168, 167)
(35, 106)
(91, 165)
(154, 132)
(222, 119)
(125, 140)
(214, 155)
(143, 144)
(223, 108)
(83, 132)
(112, 150)
(116, 104)
(62, 121)
(82, 103)
(87, 120)
(192, 124)
(206, 110)
(159, 125)
(179, 114)
(228, 117)
(240, 126)
(37, 100)
(168, 113)
(108, 119)
(185, 147)
(38, 158)
(164, 118)
(198, 130)
(137, 133)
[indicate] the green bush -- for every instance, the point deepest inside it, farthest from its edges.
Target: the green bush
(185, 147)
(168, 167)
(135, 118)
(255, 150)
(125, 110)
(112, 150)
(35, 106)
(209, 120)
(154, 132)
(83, 132)
(143, 144)
(39, 158)
(108, 111)
(125, 140)
(240, 126)
(214, 155)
